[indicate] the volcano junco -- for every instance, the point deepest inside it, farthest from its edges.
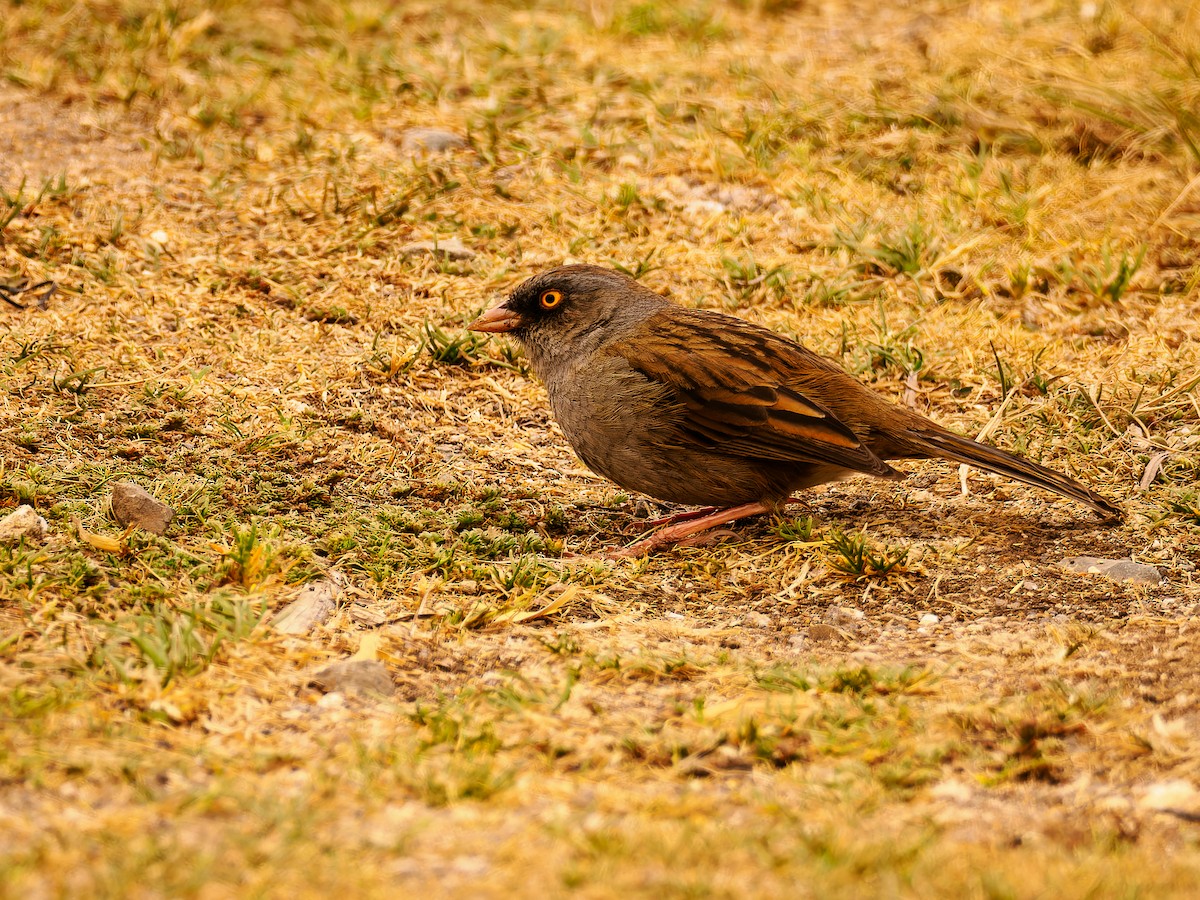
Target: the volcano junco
(696, 407)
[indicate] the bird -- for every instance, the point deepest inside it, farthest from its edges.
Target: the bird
(696, 407)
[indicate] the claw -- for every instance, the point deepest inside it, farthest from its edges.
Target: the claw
(692, 523)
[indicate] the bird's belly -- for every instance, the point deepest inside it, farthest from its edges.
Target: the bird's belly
(630, 435)
(688, 477)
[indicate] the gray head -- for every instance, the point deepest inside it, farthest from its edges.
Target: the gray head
(569, 311)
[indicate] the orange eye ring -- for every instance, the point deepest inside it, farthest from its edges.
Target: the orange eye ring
(551, 299)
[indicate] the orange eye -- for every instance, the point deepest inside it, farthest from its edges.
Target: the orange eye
(551, 299)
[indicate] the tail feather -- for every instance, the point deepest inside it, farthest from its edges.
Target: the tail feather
(960, 449)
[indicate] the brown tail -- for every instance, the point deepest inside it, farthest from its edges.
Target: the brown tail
(956, 448)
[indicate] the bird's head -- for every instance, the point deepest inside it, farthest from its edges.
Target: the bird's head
(569, 310)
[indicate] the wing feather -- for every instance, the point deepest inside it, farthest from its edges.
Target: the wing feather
(740, 390)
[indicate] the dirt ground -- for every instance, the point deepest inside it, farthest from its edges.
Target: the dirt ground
(238, 246)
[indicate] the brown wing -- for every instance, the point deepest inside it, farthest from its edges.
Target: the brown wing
(739, 387)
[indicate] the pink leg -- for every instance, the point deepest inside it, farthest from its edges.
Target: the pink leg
(679, 517)
(672, 534)
(694, 514)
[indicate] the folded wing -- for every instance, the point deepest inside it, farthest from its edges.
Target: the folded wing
(733, 396)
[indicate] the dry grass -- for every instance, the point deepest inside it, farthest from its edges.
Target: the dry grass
(991, 211)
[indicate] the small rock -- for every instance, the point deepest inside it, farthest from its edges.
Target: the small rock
(722, 759)
(23, 523)
(930, 619)
(846, 619)
(1116, 569)
(757, 620)
(505, 175)
(744, 198)
(953, 790)
(451, 248)
(472, 866)
(430, 140)
(332, 700)
(313, 605)
(367, 616)
(133, 505)
(1114, 803)
(1176, 797)
(826, 633)
(703, 209)
(354, 676)
(468, 586)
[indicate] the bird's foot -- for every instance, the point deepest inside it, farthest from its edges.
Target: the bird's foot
(693, 524)
(677, 517)
(700, 513)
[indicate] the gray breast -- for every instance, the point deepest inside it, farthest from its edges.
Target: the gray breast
(627, 428)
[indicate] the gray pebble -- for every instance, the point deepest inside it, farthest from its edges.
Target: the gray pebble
(23, 523)
(315, 603)
(355, 676)
(133, 505)
(430, 140)
(827, 633)
(451, 248)
(1116, 569)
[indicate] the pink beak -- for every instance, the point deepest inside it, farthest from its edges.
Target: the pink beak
(496, 320)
